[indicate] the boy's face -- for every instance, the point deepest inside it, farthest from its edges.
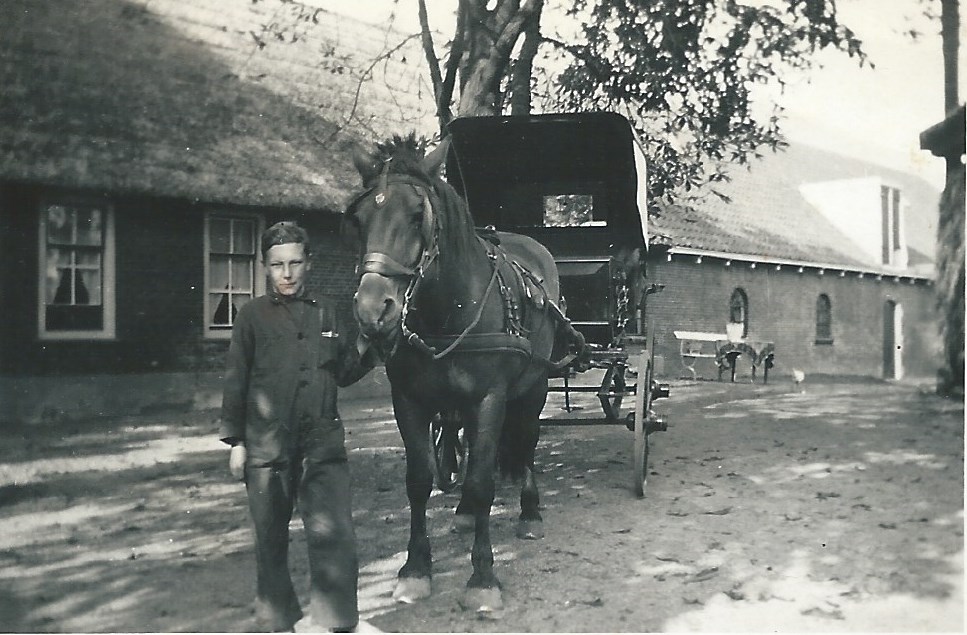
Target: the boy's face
(287, 265)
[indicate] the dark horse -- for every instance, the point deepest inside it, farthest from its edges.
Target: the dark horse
(466, 326)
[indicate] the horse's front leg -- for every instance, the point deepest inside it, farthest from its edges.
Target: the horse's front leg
(413, 420)
(485, 421)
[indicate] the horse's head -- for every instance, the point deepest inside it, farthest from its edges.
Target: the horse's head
(396, 229)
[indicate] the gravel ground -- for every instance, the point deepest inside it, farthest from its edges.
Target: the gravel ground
(768, 509)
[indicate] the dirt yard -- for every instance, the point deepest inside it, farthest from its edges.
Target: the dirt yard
(836, 509)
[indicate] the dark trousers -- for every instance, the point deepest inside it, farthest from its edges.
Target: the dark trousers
(323, 490)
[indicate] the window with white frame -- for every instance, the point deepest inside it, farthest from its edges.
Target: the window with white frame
(76, 251)
(231, 268)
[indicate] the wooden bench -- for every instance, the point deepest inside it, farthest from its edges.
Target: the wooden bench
(696, 345)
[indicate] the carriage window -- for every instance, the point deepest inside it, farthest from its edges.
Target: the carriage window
(77, 271)
(571, 210)
(824, 320)
(231, 269)
(586, 292)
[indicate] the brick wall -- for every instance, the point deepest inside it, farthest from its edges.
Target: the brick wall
(782, 309)
(159, 288)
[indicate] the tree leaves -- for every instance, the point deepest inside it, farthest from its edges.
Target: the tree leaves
(686, 70)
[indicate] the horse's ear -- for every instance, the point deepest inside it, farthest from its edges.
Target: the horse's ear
(434, 161)
(365, 164)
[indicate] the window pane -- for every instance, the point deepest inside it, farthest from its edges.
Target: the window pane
(243, 237)
(219, 273)
(823, 318)
(60, 226)
(233, 247)
(220, 235)
(241, 275)
(89, 227)
(219, 303)
(57, 261)
(88, 287)
(63, 287)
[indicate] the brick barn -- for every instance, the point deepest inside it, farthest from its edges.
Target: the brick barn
(828, 257)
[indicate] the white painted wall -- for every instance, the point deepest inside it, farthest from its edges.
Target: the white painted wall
(853, 206)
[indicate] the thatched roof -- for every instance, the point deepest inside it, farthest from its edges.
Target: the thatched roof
(250, 102)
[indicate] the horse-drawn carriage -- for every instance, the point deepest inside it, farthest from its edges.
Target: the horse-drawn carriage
(526, 265)
(575, 183)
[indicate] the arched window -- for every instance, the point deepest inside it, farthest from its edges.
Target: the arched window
(739, 310)
(824, 320)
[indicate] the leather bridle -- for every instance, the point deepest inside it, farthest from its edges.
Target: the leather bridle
(385, 265)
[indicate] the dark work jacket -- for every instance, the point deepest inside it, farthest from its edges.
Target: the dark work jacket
(286, 358)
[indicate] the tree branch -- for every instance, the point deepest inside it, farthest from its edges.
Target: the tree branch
(366, 74)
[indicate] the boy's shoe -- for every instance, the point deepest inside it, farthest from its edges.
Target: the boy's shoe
(306, 625)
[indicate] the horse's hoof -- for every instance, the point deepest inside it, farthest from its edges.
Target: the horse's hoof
(482, 600)
(410, 590)
(530, 530)
(462, 524)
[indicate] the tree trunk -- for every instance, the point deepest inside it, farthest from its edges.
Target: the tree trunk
(950, 32)
(950, 230)
(520, 88)
(950, 282)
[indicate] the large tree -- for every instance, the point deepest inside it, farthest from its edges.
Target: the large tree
(947, 140)
(686, 72)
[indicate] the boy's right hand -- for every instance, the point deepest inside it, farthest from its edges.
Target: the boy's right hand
(236, 461)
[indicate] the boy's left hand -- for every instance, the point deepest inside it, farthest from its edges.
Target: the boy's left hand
(236, 461)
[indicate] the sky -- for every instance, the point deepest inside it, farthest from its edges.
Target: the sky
(875, 114)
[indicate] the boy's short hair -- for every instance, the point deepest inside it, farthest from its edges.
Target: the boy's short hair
(284, 232)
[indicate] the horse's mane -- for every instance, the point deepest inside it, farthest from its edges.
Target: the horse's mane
(402, 155)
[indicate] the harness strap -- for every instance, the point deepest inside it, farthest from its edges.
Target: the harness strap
(415, 340)
(384, 265)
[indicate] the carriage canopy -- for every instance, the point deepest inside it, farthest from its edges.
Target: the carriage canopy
(552, 171)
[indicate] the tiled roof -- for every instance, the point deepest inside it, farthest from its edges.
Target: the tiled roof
(199, 98)
(768, 216)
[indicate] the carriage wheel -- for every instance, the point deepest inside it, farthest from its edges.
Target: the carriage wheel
(448, 452)
(642, 411)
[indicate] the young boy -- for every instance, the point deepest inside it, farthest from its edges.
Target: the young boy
(279, 415)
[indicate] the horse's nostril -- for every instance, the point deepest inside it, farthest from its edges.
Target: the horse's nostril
(389, 305)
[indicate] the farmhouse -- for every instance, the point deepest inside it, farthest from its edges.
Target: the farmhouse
(144, 145)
